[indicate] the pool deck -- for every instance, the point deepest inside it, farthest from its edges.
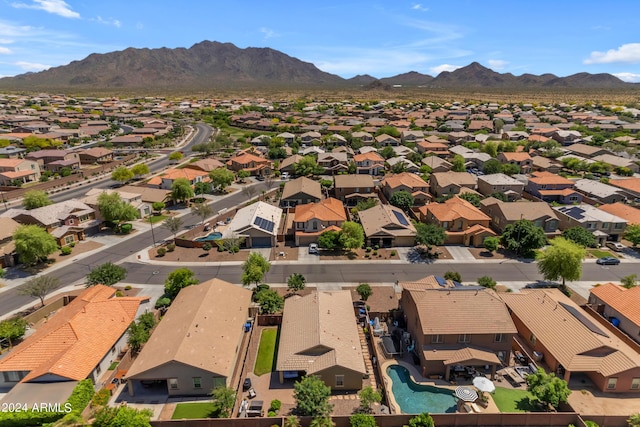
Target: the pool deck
(417, 378)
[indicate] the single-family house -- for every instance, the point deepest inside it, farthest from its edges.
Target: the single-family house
(439, 149)
(411, 136)
(409, 182)
(437, 164)
(90, 156)
(545, 164)
(617, 162)
(447, 183)
(319, 336)
(629, 185)
(624, 211)
(11, 152)
(387, 226)
(134, 199)
(352, 188)
(463, 223)
(500, 183)
(287, 164)
(300, 191)
(257, 223)
(365, 137)
(520, 159)
(251, 163)
(7, 247)
(585, 150)
(17, 169)
(370, 163)
(333, 162)
(599, 191)
(603, 225)
(312, 219)
(619, 306)
(205, 165)
(166, 179)
(195, 348)
(309, 137)
(550, 187)
(582, 345)
(149, 195)
(443, 340)
(503, 214)
(384, 140)
(565, 137)
(55, 160)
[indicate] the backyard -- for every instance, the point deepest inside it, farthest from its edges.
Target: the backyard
(266, 351)
(510, 400)
(193, 410)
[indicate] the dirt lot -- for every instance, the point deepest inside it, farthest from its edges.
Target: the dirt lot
(359, 254)
(482, 253)
(284, 253)
(198, 255)
(81, 247)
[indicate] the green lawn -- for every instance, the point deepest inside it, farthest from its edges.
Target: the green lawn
(509, 400)
(193, 410)
(600, 254)
(266, 351)
(156, 218)
(113, 365)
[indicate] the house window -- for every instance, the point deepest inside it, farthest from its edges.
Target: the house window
(197, 382)
(445, 225)
(437, 339)
(591, 226)
(605, 225)
(69, 239)
(618, 226)
(300, 225)
(532, 339)
(498, 338)
(502, 355)
(98, 370)
(315, 225)
(339, 380)
(464, 338)
(84, 218)
(173, 383)
(635, 384)
(573, 198)
(611, 383)
(113, 349)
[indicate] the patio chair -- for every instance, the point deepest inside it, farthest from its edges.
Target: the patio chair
(252, 393)
(475, 408)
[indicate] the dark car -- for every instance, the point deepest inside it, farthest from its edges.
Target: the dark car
(260, 177)
(246, 385)
(608, 260)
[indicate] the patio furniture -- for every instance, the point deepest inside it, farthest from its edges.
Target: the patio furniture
(252, 393)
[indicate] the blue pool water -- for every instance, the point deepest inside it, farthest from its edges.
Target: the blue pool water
(415, 398)
(211, 236)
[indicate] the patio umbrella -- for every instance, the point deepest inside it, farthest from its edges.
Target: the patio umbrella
(466, 394)
(484, 384)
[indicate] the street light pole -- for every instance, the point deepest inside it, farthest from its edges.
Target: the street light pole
(153, 236)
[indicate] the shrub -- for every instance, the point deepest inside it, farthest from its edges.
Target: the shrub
(119, 294)
(171, 247)
(375, 253)
(126, 228)
(487, 282)
(72, 244)
(163, 302)
(101, 398)
(127, 288)
(393, 253)
(206, 247)
(161, 251)
(368, 249)
(275, 405)
(376, 247)
(271, 414)
(453, 275)
(65, 250)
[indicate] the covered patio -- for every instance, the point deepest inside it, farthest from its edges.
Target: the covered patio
(463, 360)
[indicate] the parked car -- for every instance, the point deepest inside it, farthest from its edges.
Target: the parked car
(608, 260)
(615, 246)
(313, 248)
(246, 385)
(260, 177)
(285, 175)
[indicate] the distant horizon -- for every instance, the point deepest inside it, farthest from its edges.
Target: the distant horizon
(347, 39)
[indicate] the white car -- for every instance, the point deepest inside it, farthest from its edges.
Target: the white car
(285, 175)
(615, 246)
(313, 248)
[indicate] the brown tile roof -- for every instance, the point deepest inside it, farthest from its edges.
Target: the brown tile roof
(458, 311)
(459, 178)
(73, 342)
(353, 181)
(371, 155)
(318, 332)
(455, 208)
(206, 165)
(517, 156)
(407, 179)
(547, 314)
(384, 219)
(631, 214)
(325, 210)
(624, 301)
(632, 184)
(202, 329)
(302, 185)
(541, 178)
(470, 356)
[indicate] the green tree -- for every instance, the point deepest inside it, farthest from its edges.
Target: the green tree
(491, 244)
(13, 329)
(547, 388)
(307, 166)
(634, 420)
(492, 166)
(457, 164)
(269, 300)
(329, 240)
(429, 235)
(472, 198)
(369, 396)
(35, 199)
(296, 282)
(121, 416)
(510, 169)
(387, 152)
(324, 421)
(158, 206)
(491, 148)
(402, 199)
(121, 174)
(140, 169)
(114, 209)
(243, 174)
(398, 167)
(33, 244)
(292, 421)
(137, 335)
(421, 420)
(202, 210)
(362, 420)
(487, 282)
(632, 234)
(107, 274)
(351, 235)
(453, 275)
(366, 203)
(176, 156)
(200, 188)
(39, 287)
(178, 279)
(563, 259)
(364, 290)
(580, 236)
(312, 397)
(181, 190)
(629, 281)
(223, 400)
(173, 224)
(221, 178)
(254, 269)
(523, 237)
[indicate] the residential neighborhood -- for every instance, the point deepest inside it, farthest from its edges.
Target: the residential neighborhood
(443, 257)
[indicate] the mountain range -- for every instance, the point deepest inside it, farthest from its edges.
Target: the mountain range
(210, 65)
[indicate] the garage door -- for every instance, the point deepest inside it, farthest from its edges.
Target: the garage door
(261, 242)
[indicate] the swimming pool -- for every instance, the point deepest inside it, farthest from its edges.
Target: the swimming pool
(211, 236)
(416, 398)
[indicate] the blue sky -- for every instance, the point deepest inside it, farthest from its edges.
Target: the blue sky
(376, 37)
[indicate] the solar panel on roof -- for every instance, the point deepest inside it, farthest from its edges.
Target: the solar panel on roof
(441, 281)
(400, 217)
(264, 224)
(583, 319)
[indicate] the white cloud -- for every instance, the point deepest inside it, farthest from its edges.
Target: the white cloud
(57, 7)
(629, 53)
(497, 64)
(443, 67)
(419, 7)
(32, 66)
(116, 23)
(628, 77)
(268, 33)
(4, 50)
